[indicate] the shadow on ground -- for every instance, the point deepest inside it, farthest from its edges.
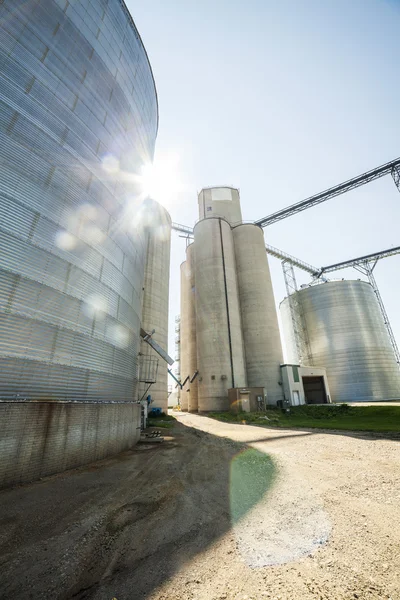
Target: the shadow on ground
(122, 527)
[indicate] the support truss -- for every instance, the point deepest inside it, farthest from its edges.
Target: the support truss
(300, 333)
(396, 176)
(392, 167)
(354, 262)
(367, 269)
(182, 228)
(290, 259)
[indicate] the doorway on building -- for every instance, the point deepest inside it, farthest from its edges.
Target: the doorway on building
(314, 390)
(296, 398)
(245, 401)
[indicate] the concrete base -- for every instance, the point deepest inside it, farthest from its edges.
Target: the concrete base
(43, 438)
(214, 404)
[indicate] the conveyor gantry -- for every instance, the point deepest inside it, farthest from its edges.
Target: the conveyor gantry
(374, 257)
(392, 167)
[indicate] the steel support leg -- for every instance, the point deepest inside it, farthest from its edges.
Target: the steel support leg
(301, 340)
(368, 271)
(396, 176)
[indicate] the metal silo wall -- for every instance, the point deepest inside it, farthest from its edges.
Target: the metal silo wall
(185, 284)
(156, 297)
(261, 337)
(192, 338)
(77, 94)
(220, 352)
(348, 336)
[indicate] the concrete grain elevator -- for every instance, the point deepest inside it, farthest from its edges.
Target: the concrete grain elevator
(229, 328)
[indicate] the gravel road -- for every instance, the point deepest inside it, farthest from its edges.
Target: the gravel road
(208, 515)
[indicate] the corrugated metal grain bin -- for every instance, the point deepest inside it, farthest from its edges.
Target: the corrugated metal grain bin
(348, 337)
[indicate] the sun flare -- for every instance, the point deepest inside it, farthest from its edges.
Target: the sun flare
(160, 180)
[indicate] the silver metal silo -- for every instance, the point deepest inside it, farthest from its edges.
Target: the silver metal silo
(347, 336)
(156, 296)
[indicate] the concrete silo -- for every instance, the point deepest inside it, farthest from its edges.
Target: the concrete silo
(185, 285)
(192, 338)
(261, 335)
(348, 337)
(156, 298)
(220, 202)
(220, 351)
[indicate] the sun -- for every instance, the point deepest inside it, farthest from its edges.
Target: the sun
(160, 180)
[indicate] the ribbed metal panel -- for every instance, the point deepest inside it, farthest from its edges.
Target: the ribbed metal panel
(347, 336)
(75, 86)
(156, 298)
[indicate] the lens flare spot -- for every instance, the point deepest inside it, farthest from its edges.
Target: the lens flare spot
(119, 336)
(276, 517)
(65, 241)
(87, 212)
(94, 235)
(95, 306)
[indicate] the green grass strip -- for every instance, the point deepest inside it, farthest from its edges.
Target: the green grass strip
(333, 416)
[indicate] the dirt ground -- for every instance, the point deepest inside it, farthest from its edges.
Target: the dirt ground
(181, 520)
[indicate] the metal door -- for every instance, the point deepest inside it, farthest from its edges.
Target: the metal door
(245, 402)
(314, 390)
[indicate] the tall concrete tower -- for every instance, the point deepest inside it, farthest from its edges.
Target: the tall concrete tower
(220, 351)
(235, 329)
(192, 330)
(261, 337)
(220, 202)
(184, 333)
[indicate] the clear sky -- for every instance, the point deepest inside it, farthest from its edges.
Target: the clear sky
(283, 99)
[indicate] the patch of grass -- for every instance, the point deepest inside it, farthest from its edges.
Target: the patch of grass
(162, 416)
(330, 416)
(161, 421)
